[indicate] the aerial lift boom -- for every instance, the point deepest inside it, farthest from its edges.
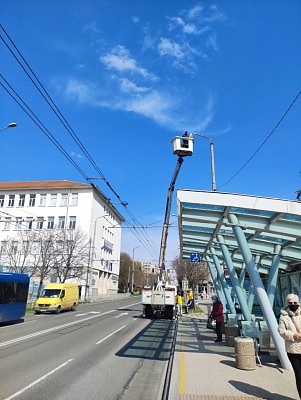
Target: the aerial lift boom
(167, 217)
(162, 299)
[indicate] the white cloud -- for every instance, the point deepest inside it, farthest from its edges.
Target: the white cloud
(188, 28)
(153, 105)
(211, 42)
(129, 86)
(165, 108)
(195, 12)
(91, 27)
(76, 155)
(119, 60)
(182, 54)
(170, 48)
(82, 91)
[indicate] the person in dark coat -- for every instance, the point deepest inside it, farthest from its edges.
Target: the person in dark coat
(218, 314)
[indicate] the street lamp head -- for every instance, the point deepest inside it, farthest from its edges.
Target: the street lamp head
(11, 125)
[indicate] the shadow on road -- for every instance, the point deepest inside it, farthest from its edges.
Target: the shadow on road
(152, 343)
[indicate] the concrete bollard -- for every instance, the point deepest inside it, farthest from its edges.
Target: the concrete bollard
(245, 353)
(231, 331)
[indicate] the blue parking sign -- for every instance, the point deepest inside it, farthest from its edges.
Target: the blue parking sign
(195, 257)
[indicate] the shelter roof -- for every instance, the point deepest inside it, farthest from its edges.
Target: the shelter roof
(266, 222)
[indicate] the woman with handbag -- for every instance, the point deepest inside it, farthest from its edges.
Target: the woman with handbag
(218, 314)
(290, 330)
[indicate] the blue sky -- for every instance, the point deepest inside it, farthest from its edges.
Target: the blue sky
(129, 75)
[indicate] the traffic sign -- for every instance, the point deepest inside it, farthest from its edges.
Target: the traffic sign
(195, 257)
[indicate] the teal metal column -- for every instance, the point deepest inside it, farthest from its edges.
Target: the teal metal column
(234, 279)
(260, 291)
(272, 284)
(242, 276)
(251, 296)
(222, 280)
(218, 289)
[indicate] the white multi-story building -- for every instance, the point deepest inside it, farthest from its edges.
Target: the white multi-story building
(67, 205)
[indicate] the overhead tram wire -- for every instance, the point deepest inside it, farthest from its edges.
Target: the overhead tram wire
(41, 89)
(48, 134)
(42, 127)
(38, 122)
(43, 92)
(263, 143)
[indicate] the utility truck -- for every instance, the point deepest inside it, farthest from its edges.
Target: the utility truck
(160, 301)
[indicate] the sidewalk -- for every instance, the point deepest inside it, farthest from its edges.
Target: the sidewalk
(205, 370)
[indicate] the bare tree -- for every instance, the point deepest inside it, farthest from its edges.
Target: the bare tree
(18, 253)
(71, 254)
(45, 247)
(124, 273)
(195, 273)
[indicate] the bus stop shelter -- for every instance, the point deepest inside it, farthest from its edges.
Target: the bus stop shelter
(249, 236)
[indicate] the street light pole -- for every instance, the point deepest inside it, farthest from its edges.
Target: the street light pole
(10, 125)
(91, 259)
(133, 268)
(213, 180)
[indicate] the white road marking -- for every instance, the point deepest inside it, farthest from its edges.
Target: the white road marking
(120, 315)
(38, 380)
(129, 305)
(111, 334)
(89, 312)
(55, 328)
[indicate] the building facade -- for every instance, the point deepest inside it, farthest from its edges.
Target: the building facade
(66, 205)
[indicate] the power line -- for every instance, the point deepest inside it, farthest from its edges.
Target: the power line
(146, 240)
(266, 139)
(144, 237)
(9, 89)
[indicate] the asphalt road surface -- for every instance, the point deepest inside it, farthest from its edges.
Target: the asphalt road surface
(102, 351)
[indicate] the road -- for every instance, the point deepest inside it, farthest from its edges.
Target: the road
(102, 351)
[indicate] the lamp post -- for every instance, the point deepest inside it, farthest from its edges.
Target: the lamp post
(91, 258)
(212, 159)
(133, 268)
(10, 125)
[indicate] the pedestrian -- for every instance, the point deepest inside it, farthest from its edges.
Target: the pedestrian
(179, 304)
(190, 300)
(289, 329)
(237, 308)
(218, 314)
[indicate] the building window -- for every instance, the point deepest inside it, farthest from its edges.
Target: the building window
(50, 224)
(29, 221)
(74, 199)
(43, 200)
(61, 223)
(72, 222)
(35, 248)
(21, 200)
(32, 200)
(14, 248)
(53, 198)
(64, 199)
(3, 248)
(59, 246)
(40, 221)
(18, 223)
(11, 200)
(7, 223)
(1, 200)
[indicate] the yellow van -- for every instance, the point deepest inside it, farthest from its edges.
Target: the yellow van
(57, 297)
